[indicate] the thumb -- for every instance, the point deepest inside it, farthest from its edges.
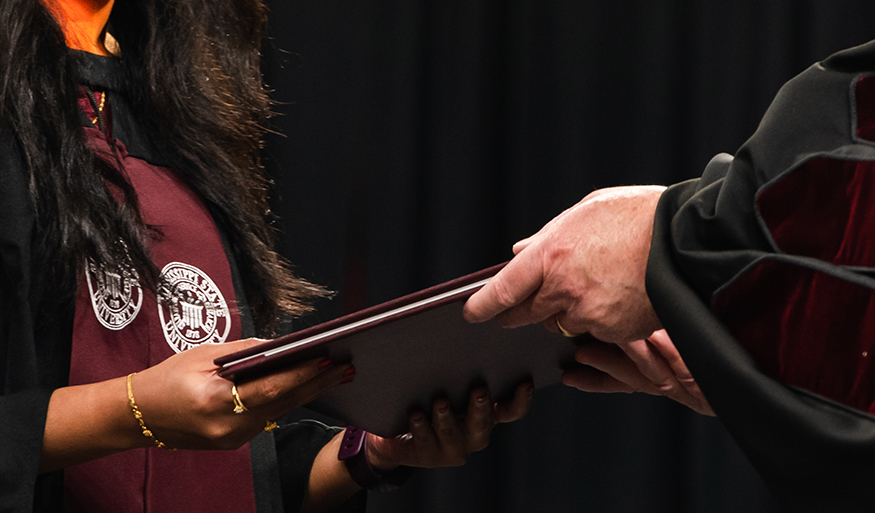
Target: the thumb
(521, 245)
(511, 286)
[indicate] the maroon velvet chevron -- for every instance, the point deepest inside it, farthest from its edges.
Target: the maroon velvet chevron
(823, 210)
(864, 92)
(805, 327)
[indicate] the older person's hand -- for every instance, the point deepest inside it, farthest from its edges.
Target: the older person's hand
(652, 366)
(584, 270)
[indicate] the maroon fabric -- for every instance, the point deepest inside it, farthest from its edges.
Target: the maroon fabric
(864, 91)
(830, 198)
(797, 333)
(119, 329)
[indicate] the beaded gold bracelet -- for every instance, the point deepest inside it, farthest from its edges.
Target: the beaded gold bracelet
(139, 416)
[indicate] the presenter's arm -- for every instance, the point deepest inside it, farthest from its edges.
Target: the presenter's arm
(585, 270)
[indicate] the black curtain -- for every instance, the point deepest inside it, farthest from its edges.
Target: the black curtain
(421, 139)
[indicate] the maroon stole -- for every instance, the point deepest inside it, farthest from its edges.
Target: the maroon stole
(119, 328)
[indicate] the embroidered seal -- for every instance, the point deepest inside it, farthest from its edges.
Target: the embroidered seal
(115, 296)
(193, 312)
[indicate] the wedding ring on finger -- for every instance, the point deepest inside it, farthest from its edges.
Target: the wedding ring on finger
(564, 331)
(271, 425)
(238, 403)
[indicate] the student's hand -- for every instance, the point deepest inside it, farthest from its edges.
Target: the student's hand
(449, 438)
(652, 366)
(187, 405)
(584, 269)
(184, 403)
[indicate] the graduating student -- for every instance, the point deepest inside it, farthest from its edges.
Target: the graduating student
(135, 249)
(762, 272)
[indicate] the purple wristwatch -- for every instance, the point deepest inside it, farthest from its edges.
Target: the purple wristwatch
(354, 453)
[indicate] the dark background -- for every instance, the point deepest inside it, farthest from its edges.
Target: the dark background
(422, 138)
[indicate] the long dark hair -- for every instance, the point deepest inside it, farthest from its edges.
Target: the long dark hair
(196, 67)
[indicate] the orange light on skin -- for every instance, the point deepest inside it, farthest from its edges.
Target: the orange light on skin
(83, 22)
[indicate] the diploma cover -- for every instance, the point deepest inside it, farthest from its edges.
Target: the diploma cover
(409, 351)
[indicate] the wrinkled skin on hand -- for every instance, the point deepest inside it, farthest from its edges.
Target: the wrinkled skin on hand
(585, 268)
(652, 365)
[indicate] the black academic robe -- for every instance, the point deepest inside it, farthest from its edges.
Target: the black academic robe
(36, 330)
(762, 273)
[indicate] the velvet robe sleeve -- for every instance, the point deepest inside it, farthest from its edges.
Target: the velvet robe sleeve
(763, 273)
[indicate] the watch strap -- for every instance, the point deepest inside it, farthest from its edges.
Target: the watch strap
(354, 453)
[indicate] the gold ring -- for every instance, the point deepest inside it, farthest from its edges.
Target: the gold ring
(271, 425)
(238, 403)
(564, 331)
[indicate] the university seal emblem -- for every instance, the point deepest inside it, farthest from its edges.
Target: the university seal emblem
(193, 312)
(115, 296)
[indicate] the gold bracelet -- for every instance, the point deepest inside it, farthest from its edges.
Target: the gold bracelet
(139, 416)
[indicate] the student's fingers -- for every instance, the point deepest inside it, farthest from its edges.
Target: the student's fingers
(479, 420)
(420, 430)
(274, 395)
(451, 437)
(518, 406)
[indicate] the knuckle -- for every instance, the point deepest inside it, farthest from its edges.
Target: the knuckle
(269, 389)
(686, 379)
(446, 432)
(504, 296)
(559, 250)
(218, 434)
(209, 401)
(666, 388)
(203, 405)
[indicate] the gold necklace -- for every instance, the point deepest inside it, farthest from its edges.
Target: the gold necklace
(99, 107)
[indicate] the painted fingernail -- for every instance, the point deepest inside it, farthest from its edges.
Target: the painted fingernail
(347, 376)
(324, 364)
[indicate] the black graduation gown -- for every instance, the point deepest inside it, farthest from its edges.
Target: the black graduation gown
(36, 334)
(714, 234)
